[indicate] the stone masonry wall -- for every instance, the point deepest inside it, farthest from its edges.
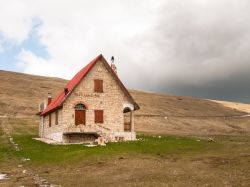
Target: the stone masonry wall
(47, 131)
(111, 101)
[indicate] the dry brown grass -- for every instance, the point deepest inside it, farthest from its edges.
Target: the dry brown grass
(168, 114)
(159, 113)
(237, 106)
(228, 165)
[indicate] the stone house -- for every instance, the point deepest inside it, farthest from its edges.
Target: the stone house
(93, 105)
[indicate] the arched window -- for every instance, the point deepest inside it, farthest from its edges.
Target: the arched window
(80, 106)
(80, 114)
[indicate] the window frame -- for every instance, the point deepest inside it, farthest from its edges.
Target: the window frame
(56, 117)
(99, 116)
(50, 120)
(98, 85)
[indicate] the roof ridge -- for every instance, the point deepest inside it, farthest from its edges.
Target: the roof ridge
(77, 79)
(70, 85)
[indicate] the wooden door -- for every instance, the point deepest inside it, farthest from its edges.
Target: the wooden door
(80, 117)
(127, 126)
(127, 122)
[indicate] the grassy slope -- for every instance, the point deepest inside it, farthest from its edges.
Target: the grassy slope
(21, 93)
(172, 160)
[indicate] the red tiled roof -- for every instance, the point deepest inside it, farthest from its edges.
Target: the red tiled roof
(55, 104)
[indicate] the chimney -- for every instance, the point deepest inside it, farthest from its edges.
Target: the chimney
(113, 67)
(66, 91)
(49, 98)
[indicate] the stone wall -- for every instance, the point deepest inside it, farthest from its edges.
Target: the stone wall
(52, 132)
(111, 101)
(79, 138)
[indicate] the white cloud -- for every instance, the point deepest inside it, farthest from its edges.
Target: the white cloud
(163, 43)
(15, 20)
(74, 33)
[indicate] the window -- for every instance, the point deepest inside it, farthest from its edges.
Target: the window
(98, 116)
(80, 114)
(98, 86)
(80, 107)
(49, 120)
(56, 118)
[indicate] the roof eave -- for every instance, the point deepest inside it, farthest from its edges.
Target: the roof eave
(50, 111)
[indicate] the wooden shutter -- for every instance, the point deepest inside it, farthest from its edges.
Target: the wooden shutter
(49, 120)
(98, 116)
(56, 118)
(98, 85)
(80, 117)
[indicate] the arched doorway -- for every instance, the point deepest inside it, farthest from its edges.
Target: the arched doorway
(127, 119)
(80, 114)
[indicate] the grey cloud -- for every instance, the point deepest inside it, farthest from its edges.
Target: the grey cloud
(198, 48)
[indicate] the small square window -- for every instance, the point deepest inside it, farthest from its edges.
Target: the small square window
(98, 86)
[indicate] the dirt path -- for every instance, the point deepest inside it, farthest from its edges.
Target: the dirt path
(37, 180)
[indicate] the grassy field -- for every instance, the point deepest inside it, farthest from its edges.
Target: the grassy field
(41, 153)
(181, 156)
(158, 160)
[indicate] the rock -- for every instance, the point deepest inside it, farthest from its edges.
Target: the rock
(3, 176)
(211, 140)
(101, 141)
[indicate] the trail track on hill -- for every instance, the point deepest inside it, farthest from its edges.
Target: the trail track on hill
(20, 169)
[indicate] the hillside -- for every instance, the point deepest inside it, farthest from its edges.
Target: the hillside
(205, 159)
(159, 113)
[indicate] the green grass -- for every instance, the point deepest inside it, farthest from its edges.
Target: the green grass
(6, 149)
(41, 153)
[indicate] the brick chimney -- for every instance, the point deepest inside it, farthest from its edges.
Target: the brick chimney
(66, 91)
(49, 98)
(113, 67)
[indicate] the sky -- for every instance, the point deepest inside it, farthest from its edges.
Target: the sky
(197, 48)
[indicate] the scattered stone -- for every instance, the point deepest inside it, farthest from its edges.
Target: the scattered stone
(101, 141)
(165, 117)
(20, 165)
(198, 140)
(90, 145)
(3, 176)
(159, 136)
(211, 140)
(25, 159)
(24, 171)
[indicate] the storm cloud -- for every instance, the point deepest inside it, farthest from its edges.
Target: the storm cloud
(198, 48)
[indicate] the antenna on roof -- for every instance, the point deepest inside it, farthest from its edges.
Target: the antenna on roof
(113, 67)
